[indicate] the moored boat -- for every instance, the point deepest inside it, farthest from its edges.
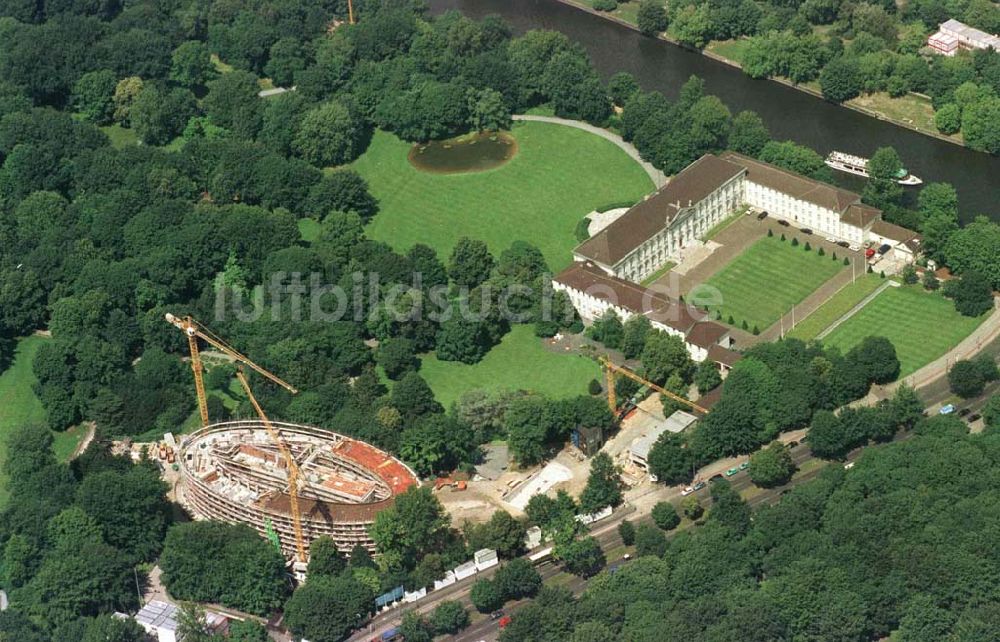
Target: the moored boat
(859, 167)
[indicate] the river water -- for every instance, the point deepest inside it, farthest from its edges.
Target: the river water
(788, 113)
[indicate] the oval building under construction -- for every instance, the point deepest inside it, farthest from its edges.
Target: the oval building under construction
(234, 472)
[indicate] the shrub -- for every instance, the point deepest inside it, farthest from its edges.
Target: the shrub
(795, 241)
(605, 5)
(755, 330)
(594, 387)
(744, 324)
(820, 251)
(847, 261)
(808, 247)
(966, 379)
(731, 320)
(692, 507)
(931, 281)
(627, 532)
(782, 236)
(881, 274)
(770, 232)
(485, 596)
(909, 275)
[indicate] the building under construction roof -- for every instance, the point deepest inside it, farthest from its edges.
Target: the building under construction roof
(234, 472)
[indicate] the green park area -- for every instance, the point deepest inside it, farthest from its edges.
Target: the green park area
(770, 276)
(520, 362)
(558, 175)
(835, 307)
(20, 406)
(921, 325)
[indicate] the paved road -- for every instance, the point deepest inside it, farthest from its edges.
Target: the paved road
(655, 175)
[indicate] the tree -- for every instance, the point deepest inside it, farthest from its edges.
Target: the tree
(575, 89)
(604, 485)
(485, 596)
(876, 358)
(884, 167)
(797, 158)
(191, 64)
(707, 376)
(414, 525)
(693, 25)
(828, 437)
(981, 125)
(159, 115)
(223, 563)
(329, 135)
(974, 248)
(126, 92)
(412, 397)
(488, 111)
(526, 429)
(665, 516)
(938, 206)
(582, 557)
(397, 356)
(909, 275)
(460, 339)
(232, 103)
(326, 609)
(247, 631)
(650, 540)
(325, 558)
(973, 295)
(626, 530)
(502, 532)
(692, 507)
(670, 460)
(93, 96)
(517, 579)
(608, 329)
(448, 618)
(965, 379)
(634, 333)
(728, 508)
(991, 412)
(470, 263)
(663, 355)
(748, 134)
(622, 86)
(840, 80)
(948, 118)
(652, 17)
(771, 466)
(107, 628)
(285, 60)
(930, 281)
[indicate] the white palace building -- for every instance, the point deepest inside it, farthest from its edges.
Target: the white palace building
(655, 231)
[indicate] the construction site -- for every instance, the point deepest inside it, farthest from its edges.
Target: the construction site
(236, 472)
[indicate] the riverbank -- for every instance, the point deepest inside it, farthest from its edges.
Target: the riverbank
(857, 104)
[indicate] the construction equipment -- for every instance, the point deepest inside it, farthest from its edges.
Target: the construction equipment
(611, 368)
(194, 331)
(350, 11)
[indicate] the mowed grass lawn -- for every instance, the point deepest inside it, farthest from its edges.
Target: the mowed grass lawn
(922, 326)
(19, 406)
(837, 306)
(558, 175)
(765, 280)
(519, 362)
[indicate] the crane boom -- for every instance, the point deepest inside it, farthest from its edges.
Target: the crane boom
(293, 468)
(611, 367)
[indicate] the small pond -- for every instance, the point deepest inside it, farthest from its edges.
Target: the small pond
(471, 153)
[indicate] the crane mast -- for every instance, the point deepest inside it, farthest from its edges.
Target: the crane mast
(194, 331)
(610, 369)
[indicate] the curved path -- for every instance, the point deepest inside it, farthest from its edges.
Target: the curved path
(658, 178)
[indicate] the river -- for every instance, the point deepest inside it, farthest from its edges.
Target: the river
(788, 113)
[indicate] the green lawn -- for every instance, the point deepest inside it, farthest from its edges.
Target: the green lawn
(558, 175)
(837, 306)
(922, 326)
(519, 362)
(120, 136)
(309, 229)
(769, 277)
(20, 405)
(734, 50)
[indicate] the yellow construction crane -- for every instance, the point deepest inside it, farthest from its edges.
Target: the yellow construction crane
(350, 12)
(194, 331)
(611, 368)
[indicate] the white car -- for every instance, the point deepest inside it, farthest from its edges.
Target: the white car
(831, 239)
(849, 465)
(687, 491)
(854, 247)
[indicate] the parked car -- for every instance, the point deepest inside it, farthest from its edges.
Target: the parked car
(854, 247)
(496, 615)
(687, 491)
(785, 223)
(762, 216)
(732, 471)
(745, 465)
(806, 230)
(504, 621)
(843, 244)
(849, 465)
(885, 247)
(699, 485)
(869, 253)
(947, 410)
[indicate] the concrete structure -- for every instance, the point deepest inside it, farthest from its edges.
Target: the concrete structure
(233, 472)
(593, 292)
(953, 36)
(638, 451)
(485, 558)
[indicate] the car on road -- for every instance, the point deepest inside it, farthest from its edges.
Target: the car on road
(496, 615)
(869, 253)
(830, 239)
(698, 485)
(844, 244)
(784, 223)
(854, 247)
(732, 471)
(687, 491)
(806, 230)
(745, 465)
(762, 216)
(947, 409)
